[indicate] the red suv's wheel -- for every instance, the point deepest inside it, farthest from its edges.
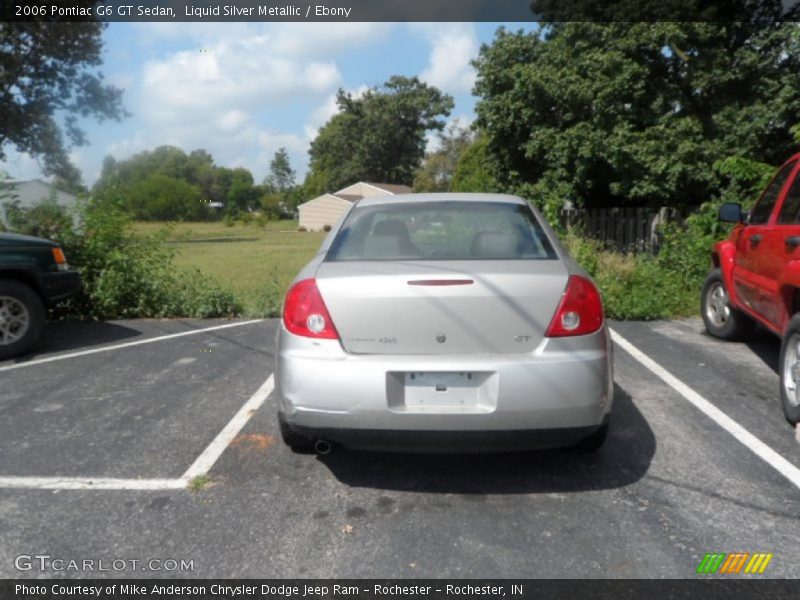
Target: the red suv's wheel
(720, 318)
(790, 371)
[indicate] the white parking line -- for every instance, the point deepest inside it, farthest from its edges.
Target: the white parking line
(759, 448)
(160, 338)
(215, 449)
(89, 483)
(201, 466)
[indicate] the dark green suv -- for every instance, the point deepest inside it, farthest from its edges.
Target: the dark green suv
(34, 274)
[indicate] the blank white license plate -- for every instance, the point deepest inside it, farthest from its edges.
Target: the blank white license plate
(442, 389)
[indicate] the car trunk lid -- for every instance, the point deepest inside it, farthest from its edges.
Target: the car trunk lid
(442, 307)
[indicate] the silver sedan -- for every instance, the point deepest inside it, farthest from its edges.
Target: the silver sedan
(440, 323)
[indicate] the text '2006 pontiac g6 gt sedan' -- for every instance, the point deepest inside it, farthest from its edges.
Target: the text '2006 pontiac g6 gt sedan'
(443, 323)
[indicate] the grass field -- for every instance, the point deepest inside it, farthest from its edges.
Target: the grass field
(257, 263)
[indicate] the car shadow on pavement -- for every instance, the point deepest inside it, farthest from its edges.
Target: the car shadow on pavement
(60, 336)
(767, 347)
(624, 459)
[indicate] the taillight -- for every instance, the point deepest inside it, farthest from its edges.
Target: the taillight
(60, 259)
(305, 313)
(580, 311)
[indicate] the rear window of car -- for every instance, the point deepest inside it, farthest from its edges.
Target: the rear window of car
(452, 230)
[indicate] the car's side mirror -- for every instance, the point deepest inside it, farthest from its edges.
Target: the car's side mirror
(731, 212)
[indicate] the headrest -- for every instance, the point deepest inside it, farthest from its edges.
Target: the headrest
(392, 227)
(493, 245)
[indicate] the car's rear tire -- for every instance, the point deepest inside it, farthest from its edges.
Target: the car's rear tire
(790, 371)
(22, 316)
(294, 440)
(720, 318)
(592, 443)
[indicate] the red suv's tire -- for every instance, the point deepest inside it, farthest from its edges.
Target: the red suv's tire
(790, 370)
(720, 318)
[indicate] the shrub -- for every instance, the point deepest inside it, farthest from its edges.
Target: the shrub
(585, 251)
(193, 294)
(633, 286)
(637, 287)
(45, 219)
(686, 247)
(326, 228)
(271, 206)
(270, 298)
(302, 228)
(124, 275)
(668, 285)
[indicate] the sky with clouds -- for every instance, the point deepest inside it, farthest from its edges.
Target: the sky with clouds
(243, 90)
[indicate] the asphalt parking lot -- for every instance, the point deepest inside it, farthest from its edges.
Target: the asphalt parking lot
(138, 440)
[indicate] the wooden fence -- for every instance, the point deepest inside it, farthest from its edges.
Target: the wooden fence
(622, 228)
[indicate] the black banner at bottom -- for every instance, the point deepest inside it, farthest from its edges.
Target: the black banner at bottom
(386, 589)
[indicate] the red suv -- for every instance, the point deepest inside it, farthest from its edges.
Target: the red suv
(756, 276)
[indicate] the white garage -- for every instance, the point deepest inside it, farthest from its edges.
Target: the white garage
(326, 209)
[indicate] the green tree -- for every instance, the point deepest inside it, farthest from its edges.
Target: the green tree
(199, 170)
(271, 206)
(164, 198)
(615, 113)
(475, 170)
(281, 176)
(439, 166)
(48, 70)
(232, 187)
(221, 185)
(70, 180)
(242, 194)
(379, 136)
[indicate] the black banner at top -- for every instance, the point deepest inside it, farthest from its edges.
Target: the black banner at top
(400, 10)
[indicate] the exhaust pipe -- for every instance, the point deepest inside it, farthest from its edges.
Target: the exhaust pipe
(322, 447)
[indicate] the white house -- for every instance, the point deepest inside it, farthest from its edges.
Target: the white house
(31, 192)
(327, 208)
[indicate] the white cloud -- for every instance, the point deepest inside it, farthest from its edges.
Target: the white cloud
(323, 113)
(126, 147)
(271, 141)
(453, 46)
(20, 165)
(294, 39)
(324, 39)
(320, 115)
(296, 146)
(211, 96)
(432, 140)
(189, 85)
(217, 83)
(211, 32)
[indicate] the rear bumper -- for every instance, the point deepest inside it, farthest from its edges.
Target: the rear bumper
(553, 396)
(449, 441)
(60, 285)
